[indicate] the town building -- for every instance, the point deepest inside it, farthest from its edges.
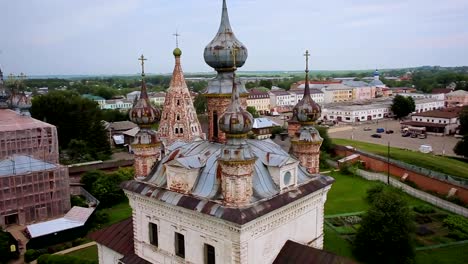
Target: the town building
(98, 99)
(158, 98)
(457, 98)
(316, 94)
(234, 200)
(439, 121)
(262, 127)
(33, 185)
(281, 99)
(116, 130)
(179, 121)
(427, 104)
(260, 100)
(357, 112)
(118, 104)
(133, 95)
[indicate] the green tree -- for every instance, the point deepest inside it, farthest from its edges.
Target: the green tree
(461, 148)
(385, 234)
(200, 104)
(402, 106)
(327, 144)
(75, 118)
(266, 83)
(114, 115)
(252, 111)
(464, 121)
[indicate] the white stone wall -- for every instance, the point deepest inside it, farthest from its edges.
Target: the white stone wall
(107, 255)
(258, 241)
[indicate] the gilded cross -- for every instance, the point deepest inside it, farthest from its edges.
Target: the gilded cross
(142, 59)
(307, 55)
(177, 35)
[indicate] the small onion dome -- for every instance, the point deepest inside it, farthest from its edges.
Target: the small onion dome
(376, 73)
(307, 111)
(235, 120)
(218, 53)
(177, 52)
(143, 113)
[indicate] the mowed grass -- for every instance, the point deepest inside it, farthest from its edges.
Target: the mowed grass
(89, 253)
(450, 255)
(348, 194)
(118, 213)
(437, 163)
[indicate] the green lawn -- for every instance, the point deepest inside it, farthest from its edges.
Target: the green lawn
(336, 244)
(450, 255)
(89, 253)
(437, 163)
(348, 192)
(118, 213)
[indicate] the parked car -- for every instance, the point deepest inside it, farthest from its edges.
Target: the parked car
(414, 135)
(376, 136)
(406, 134)
(389, 131)
(367, 129)
(380, 130)
(425, 148)
(422, 136)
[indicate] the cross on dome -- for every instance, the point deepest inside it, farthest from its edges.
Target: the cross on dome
(142, 59)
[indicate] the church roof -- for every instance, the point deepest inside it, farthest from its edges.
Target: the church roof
(293, 252)
(118, 237)
(205, 197)
(376, 83)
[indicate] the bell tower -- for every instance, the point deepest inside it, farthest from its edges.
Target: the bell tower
(146, 145)
(218, 54)
(306, 142)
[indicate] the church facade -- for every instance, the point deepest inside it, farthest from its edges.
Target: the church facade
(226, 199)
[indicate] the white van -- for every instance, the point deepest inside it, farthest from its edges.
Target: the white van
(425, 148)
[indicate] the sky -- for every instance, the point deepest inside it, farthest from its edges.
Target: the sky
(57, 37)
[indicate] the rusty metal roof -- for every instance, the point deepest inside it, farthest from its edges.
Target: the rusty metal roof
(293, 252)
(118, 237)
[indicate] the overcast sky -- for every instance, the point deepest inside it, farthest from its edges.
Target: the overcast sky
(42, 37)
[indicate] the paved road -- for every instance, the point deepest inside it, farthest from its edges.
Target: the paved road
(441, 145)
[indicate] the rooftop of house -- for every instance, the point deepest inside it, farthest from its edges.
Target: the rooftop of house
(120, 125)
(293, 252)
(13, 121)
(263, 122)
(441, 113)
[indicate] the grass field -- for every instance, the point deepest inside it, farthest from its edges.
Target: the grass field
(89, 253)
(347, 195)
(437, 163)
(118, 213)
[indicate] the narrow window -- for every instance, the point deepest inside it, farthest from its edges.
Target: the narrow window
(180, 245)
(153, 233)
(178, 102)
(209, 254)
(215, 124)
(178, 117)
(176, 130)
(181, 130)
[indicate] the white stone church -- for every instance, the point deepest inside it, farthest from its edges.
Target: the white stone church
(224, 200)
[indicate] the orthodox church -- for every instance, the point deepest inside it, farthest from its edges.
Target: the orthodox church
(224, 199)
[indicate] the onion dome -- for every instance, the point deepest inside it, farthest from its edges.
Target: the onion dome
(177, 52)
(376, 73)
(235, 120)
(143, 113)
(307, 110)
(218, 53)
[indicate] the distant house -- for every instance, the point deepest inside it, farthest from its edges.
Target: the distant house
(262, 127)
(457, 98)
(260, 100)
(101, 101)
(116, 130)
(439, 121)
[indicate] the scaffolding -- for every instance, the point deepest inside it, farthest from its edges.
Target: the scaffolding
(25, 135)
(33, 185)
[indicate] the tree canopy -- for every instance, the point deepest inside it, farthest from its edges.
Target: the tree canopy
(402, 106)
(252, 110)
(76, 118)
(385, 234)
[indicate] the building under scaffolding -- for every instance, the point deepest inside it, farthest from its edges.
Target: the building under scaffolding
(33, 185)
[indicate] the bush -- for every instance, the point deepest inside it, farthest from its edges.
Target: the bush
(373, 191)
(30, 255)
(423, 209)
(456, 223)
(77, 200)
